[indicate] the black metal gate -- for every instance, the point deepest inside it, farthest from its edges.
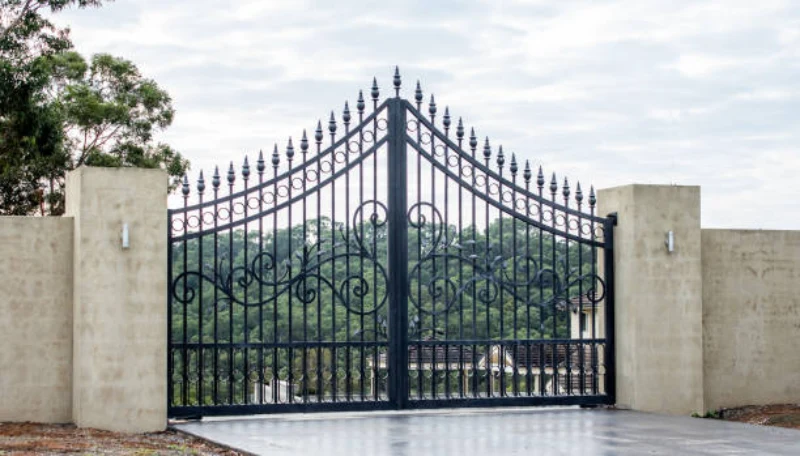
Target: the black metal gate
(394, 264)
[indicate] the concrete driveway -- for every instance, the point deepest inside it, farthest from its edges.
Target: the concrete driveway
(494, 432)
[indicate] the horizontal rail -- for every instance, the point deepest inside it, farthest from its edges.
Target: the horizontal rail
(260, 345)
(498, 205)
(302, 166)
(278, 207)
(483, 168)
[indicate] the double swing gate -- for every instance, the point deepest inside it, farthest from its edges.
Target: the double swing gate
(391, 260)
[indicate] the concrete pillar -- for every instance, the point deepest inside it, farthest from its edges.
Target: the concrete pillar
(659, 297)
(119, 298)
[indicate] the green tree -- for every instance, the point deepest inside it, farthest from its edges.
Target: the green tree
(58, 111)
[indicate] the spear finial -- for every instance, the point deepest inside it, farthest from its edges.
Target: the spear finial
(346, 115)
(215, 180)
(201, 183)
(332, 124)
(260, 163)
(276, 158)
(318, 132)
(360, 103)
(231, 174)
(375, 92)
(540, 178)
(396, 80)
(304, 144)
(245, 168)
(501, 159)
(473, 140)
(290, 150)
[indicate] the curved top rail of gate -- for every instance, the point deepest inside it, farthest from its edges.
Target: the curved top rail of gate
(548, 206)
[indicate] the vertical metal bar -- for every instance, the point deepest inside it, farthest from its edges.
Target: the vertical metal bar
(420, 315)
(514, 250)
(593, 236)
(334, 353)
(305, 261)
(320, 351)
(201, 346)
(215, 375)
(473, 142)
(246, 328)
(170, 289)
(275, 380)
(567, 360)
(289, 266)
(260, 285)
(487, 255)
(362, 357)
(540, 285)
(348, 369)
(398, 253)
(459, 153)
(434, 335)
(231, 367)
(361, 329)
(581, 346)
(554, 300)
(608, 257)
(185, 358)
(375, 354)
(528, 347)
(501, 356)
(446, 231)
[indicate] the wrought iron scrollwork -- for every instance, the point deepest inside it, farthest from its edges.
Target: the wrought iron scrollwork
(494, 270)
(297, 274)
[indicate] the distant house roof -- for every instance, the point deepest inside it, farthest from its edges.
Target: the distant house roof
(581, 301)
(441, 353)
(544, 354)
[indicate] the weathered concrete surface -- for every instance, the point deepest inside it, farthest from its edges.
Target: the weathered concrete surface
(751, 317)
(496, 432)
(120, 315)
(658, 304)
(35, 319)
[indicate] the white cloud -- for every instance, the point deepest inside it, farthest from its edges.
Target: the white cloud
(610, 92)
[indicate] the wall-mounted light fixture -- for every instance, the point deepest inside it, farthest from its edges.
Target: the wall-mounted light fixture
(126, 240)
(670, 241)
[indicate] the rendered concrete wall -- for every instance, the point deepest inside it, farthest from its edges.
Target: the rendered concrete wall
(658, 305)
(35, 319)
(751, 317)
(120, 314)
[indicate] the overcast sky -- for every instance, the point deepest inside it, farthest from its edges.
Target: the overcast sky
(606, 92)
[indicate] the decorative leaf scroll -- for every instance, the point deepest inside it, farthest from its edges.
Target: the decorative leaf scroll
(299, 274)
(493, 271)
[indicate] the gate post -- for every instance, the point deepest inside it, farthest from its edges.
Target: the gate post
(657, 297)
(398, 253)
(119, 291)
